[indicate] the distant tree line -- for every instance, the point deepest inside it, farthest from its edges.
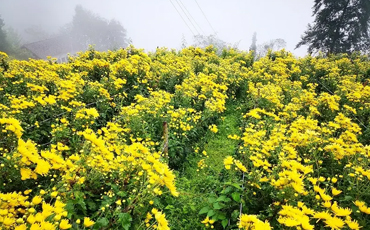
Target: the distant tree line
(91, 29)
(86, 28)
(10, 42)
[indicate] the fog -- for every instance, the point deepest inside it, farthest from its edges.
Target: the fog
(153, 23)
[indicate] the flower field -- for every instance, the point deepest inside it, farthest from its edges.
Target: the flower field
(185, 140)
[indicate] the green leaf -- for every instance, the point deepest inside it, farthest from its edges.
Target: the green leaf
(125, 220)
(210, 213)
(91, 204)
(227, 190)
(236, 196)
(204, 210)
(211, 199)
(222, 198)
(169, 207)
(69, 206)
(235, 214)
(224, 223)
(221, 216)
(235, 185)
(217, 206)
(102, 222)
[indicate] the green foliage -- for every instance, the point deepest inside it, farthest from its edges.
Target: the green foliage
(340, 26)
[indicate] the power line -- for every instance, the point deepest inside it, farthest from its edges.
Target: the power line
(205, 17)
(187, 16)
(191, 16)
(182, 18)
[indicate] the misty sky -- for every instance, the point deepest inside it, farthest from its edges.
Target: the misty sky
(152, 23)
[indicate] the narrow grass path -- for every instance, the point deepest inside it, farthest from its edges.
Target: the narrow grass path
(219, 145)
(197, 185)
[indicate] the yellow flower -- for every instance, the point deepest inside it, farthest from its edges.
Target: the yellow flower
(26, 173)
(64, 224)
(321, 179)
(213, 128)
(36, 200)
(3, 212)
(313, 180)
(205, 221)
(334, 223)
(54, 194)
(47, 209)
(340, 211)
(335, 191)
(228, 161)
(161, 220)
(353, 224)
(31, 219)
(325, 197)
(240, 166)
(154, 211)
(35, 227)
(88, 222)
(8, 221)
(327, 204)
(21, 227)
(42, 167)
(322, 215)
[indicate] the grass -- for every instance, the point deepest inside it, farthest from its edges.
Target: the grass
(197, 185)
(219, 145)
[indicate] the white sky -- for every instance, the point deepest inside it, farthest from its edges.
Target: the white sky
(152, 23)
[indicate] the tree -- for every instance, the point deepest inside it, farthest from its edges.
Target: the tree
(203, 41)
(14, 40)
(340, 26)
(4, 46)
(10, 42)
(90, 29)
(184, 44)
(253, 46)
(274, 44)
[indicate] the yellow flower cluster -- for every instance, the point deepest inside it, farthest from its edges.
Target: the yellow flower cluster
(18, 212)
(213, 128)
(160, 221)
(296, 217)
(12, 125)
(362, 206)
(61, 103)
(205, 89)
(298, 131)
(91, 129)
(253, 223)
